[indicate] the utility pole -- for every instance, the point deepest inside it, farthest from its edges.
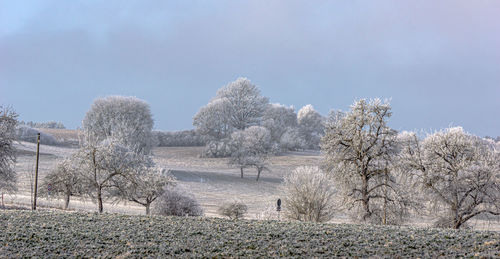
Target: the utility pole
(36, 169)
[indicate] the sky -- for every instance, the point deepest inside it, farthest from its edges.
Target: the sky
(438, 61)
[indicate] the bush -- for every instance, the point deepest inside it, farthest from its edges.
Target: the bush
(308, 195)
(175, 202)
(233, 210)
(25, 133)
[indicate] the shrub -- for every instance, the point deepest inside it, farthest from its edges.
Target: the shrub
(175, 202)
(233, 210)
(308, 194)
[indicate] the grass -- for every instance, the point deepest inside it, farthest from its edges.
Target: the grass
(57, 234)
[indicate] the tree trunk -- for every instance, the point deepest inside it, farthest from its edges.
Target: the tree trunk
(99, 199)
(384, 220)
(366, 201)
(148, 208)
(66, 201)
(241, 170)
(457, 221)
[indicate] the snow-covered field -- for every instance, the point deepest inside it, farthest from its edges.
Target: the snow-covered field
(210, 180)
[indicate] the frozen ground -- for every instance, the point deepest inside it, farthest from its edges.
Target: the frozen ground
(210, 180)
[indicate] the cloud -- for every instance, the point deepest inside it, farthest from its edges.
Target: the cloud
(439, 61)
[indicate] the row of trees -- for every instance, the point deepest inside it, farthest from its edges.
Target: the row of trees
(43, 125)
(28, 134)
(383, 175)
(183, 138)
(114, 159)
(240, 105)
(108, 170)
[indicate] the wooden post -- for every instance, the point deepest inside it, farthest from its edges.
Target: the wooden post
(36, 169)
(278, 208)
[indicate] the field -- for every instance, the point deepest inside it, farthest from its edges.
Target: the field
(58, 234)
(210, 180)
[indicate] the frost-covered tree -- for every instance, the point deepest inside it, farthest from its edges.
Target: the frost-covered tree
(279, 119)
(292, 140)
(236, 106)
(240, 155)
(308, 194)
(246, 104)
(127, 120)
(8, 122)
(359, 149)
(213, 120)
(143, 185)
(459, 170)
(311, 126)
(101, 164)
(252, 148)
(63, 180)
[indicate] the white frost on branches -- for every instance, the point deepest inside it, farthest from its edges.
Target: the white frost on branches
(8, 177)
(458, 170)
(309, 194)
(127, 120)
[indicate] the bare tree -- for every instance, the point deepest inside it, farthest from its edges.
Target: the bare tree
(8, 122)
(252, 148)
(101, 164)
(359, 149)
(459, 170)
(63, 180)
(127, 120)
(309, 194)
(143, 185)
(240, 156)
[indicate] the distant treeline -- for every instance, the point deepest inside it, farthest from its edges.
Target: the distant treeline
(184, 138)
(43, 125)
(28, 134)
(497, 139)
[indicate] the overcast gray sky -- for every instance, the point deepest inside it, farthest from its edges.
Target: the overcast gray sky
(439, 61)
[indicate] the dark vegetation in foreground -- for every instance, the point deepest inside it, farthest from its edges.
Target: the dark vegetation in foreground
(56, 234)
